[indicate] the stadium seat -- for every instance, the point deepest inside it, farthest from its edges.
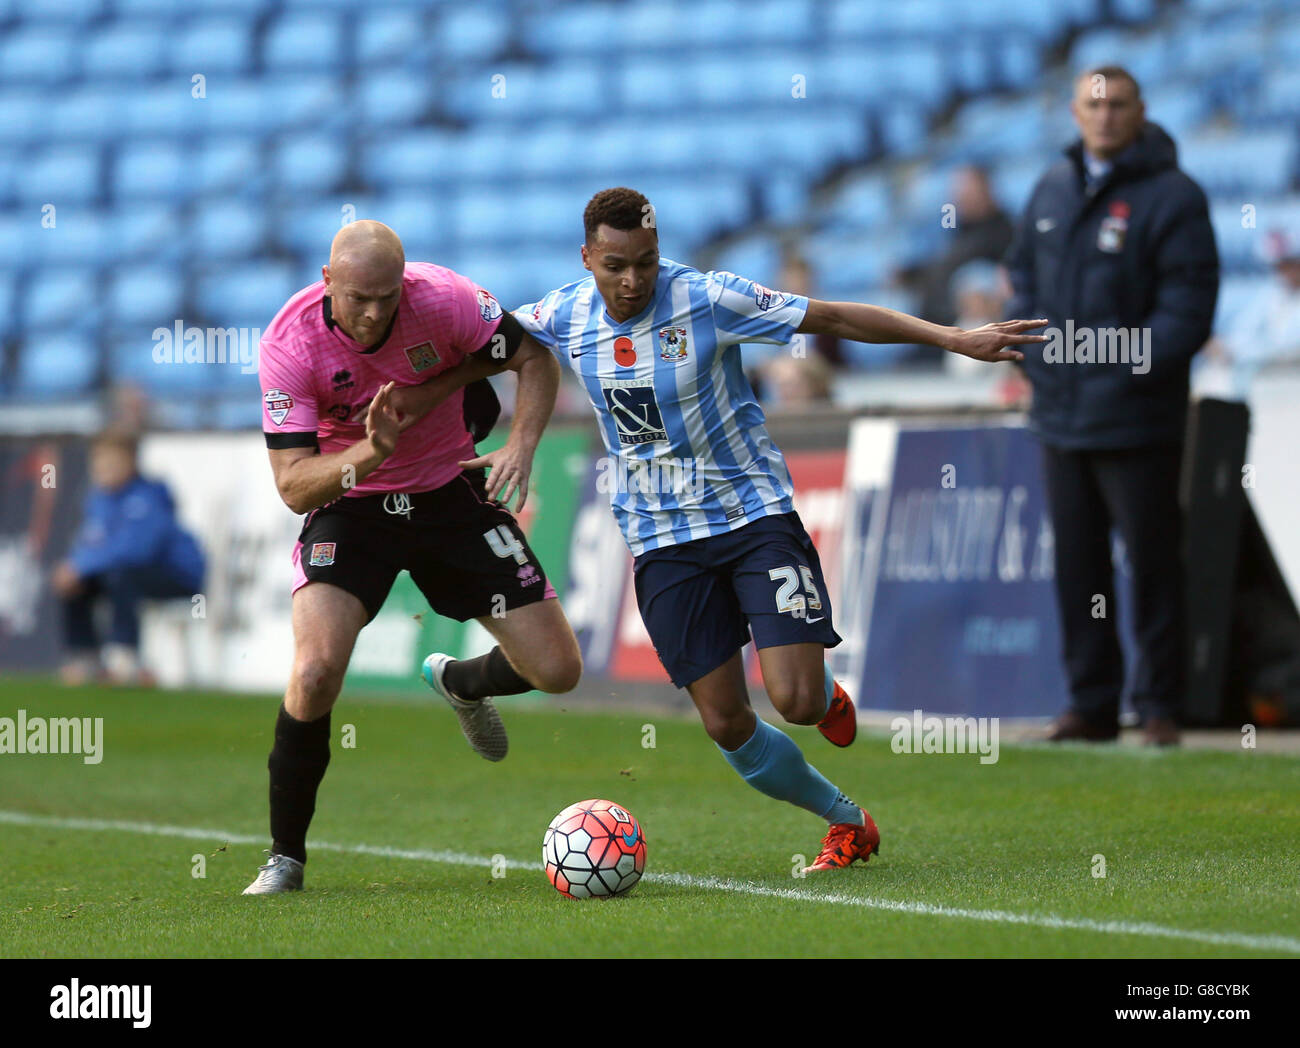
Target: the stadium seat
(246, 295)
(228, 229)
(478, 32)
(65, 297)
(215, 47)
(151, 295)
(222, 165)
(42, 55)
(302, 42)
(1261, 163)
(128, 50)
(384, 36)
(56, 363)
(151, 168)
(309, 163)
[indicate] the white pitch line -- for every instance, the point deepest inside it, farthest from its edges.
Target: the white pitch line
(451, 858)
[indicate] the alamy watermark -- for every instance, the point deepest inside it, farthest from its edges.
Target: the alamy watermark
(84, 735)
(1089, 345)
(180, 344)
(922, 734)
(655, 476)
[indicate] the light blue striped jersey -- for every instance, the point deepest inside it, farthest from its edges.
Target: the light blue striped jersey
(689, 453)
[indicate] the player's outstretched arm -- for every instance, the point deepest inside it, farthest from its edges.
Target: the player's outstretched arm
(512, 464)
(859, 322)
(307, 480)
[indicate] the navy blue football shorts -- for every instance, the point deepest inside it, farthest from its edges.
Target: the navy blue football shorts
(701, 600)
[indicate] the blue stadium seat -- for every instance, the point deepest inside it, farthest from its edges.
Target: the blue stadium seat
(228, 229)
(79, 235)
(145, 295)
(56, 363)
(1259, 164)
(165, 108)
(387, 36)
(63, 174)
(225, 164)
(861, 202)
(130, 50)
(308, 228)
(395, 99)
(247, 295)
(77, 114)
(424, 220)
(214, 47)
(309, 163)
(303, 42)
(152, 233)
(23, 114)
(756, 256)
(62, 298)
(44, 55)
(63, 11)
(151, 168)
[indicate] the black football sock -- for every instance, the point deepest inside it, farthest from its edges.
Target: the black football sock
(489, 674)
(297, 764)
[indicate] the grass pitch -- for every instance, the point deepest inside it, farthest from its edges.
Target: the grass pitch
(419, 848)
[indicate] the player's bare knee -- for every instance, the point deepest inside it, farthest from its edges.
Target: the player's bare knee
(319, 680)
(799, 703)
(558, 675)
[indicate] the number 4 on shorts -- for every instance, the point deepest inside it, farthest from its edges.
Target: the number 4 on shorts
(504, 544)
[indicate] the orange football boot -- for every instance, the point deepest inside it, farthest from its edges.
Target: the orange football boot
(846, 842)
(840, 724)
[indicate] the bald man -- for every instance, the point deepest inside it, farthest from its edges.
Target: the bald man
(383, 494)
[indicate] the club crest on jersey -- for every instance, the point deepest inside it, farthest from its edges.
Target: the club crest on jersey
(765, 298)
(632, 406)
(278, 405)
(422, 356)
(672, 344)
(1114, 228)
(488, 307)
(322, 554)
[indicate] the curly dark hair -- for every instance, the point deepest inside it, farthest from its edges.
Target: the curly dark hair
(618, 208)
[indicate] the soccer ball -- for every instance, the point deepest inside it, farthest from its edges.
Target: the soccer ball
(593, 849)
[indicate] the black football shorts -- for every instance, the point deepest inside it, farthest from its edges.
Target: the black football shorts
(467, 554)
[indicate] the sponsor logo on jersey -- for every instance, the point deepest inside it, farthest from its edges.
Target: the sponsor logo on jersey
(624, 352)
(672, 344)
(766, 298)
(340, 411)
(278, 405)
(488, 307)
(632, 406)
(527, 575)
(343, 380)
(322, 554)
(422, 356)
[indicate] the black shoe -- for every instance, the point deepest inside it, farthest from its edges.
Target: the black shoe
(1071, 727)
(1160, 731)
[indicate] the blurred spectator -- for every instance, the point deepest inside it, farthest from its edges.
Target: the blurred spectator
(1267, 330)
(983, 231)
(130, 548)
(795, 277)
(795, 383)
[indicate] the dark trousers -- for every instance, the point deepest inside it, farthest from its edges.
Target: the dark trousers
(1134, 491)
(123, 590)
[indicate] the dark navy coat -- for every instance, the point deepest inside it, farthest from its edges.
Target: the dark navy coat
(1135, 250)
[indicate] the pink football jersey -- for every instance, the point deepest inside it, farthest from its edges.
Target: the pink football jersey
(317, 381)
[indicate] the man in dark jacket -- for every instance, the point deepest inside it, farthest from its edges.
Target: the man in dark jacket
(1116, 249)
(130, 548)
